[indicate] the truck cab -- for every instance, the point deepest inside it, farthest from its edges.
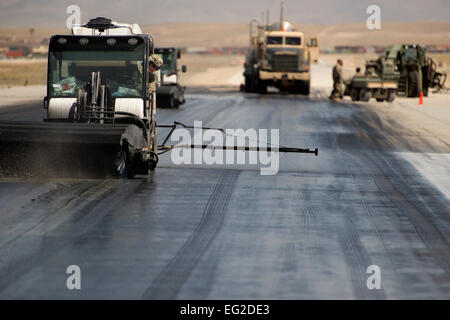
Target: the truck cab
(284, 51)
(114, 52)
(278, 56)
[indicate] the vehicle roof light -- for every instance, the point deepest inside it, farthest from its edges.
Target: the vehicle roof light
(111, 41)
(62, 40)
(83, 41)
(132, 41)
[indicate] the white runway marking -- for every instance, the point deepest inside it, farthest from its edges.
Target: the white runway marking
(435, 167)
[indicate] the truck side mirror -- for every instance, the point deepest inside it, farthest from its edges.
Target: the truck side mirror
(178, 54)
(183, 68)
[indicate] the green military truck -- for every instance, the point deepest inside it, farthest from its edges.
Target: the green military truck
(417, 71)
(403, 69)
(379, 81)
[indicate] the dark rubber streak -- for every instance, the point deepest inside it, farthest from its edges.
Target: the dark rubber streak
(171, 279)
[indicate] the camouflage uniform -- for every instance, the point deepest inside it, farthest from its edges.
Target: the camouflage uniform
(157, 62)
(338, 81)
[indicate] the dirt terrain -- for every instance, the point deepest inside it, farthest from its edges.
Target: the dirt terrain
(22, 72)
(210, 35)
(220, 34)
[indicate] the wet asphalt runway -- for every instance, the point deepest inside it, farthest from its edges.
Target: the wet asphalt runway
(226, 232)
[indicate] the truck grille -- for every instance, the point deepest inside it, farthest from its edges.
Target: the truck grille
(284, 63)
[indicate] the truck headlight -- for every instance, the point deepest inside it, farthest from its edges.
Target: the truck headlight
(111, 41)
(83, 41)
(132, 41)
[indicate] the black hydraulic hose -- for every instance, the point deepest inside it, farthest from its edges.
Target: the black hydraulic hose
(132, 116)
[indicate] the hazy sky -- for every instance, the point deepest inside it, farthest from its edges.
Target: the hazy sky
(53, 12)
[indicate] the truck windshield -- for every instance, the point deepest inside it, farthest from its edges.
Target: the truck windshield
(411, 54)
(121, 70)
(169, 62)
(274, 40)
(293, 41)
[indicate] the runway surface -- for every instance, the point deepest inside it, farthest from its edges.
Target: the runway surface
(377, 194)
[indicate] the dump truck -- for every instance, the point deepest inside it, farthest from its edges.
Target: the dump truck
(379, 81)
(277, 56)
(417, 71)
(169, 93)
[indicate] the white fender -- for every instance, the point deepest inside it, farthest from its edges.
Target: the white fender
(61, 108)
(130, 105)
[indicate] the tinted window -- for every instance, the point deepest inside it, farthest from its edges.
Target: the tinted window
(121, 69)
(313, 42)
(411, 54)
(169, 61)
(294, 41)
(274, 40)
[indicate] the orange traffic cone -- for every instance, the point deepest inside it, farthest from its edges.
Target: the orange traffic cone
(421, 98)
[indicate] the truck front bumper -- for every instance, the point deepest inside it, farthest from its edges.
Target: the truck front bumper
(284, 76)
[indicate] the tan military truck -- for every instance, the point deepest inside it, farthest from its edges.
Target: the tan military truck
(277, 56)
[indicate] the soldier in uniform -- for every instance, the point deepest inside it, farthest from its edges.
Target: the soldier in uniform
(358, 73)
(338, 81)
(154, 64)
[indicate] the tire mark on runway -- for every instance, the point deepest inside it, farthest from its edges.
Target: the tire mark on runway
(50, 209)
(429, 233)
(357, 261)
(75, 214)
(172, 278)
(389, 178)
(420, 218)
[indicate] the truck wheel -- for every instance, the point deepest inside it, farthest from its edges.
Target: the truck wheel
(305, 88)
(172, 103)
(354, 94)
(261, 88)
(413, 84)
(248, 84)
(364, 95)
(255, 82)
(123, 164)
(391, 95)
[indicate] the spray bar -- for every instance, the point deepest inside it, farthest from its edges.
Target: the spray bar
(163, 148)
(268, 149)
